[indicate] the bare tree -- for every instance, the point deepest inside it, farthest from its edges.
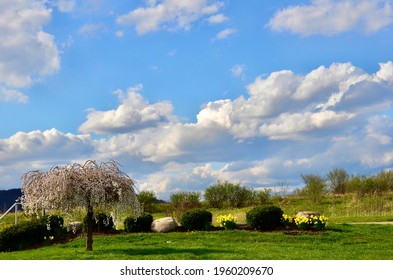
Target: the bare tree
(89, 185)
(337, 180)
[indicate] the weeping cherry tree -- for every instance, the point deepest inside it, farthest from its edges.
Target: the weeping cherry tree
(90, 185)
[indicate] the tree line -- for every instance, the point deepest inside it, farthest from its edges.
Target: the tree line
(224, 194)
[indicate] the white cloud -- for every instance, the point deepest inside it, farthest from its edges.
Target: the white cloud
(133, 113)
(219, 18)
(27, 52)
(285, 105)
(169, 14)
(44, 145)
(335, 116)
(92, 29)
(11, 95)
(119, 34)
(238, 71)
(225, 33)
(386, 72)
(330, 17)
(65, 6)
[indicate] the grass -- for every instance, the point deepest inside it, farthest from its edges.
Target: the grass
(339, 242)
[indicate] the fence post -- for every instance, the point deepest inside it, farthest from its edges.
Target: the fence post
(16, 211)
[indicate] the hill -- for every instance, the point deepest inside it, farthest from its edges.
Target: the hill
(8, 197)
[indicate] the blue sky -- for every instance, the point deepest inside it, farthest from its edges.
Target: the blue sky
(184, 93)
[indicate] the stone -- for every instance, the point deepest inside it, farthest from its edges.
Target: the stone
(75, 227)
(307, 214)
(166, 224)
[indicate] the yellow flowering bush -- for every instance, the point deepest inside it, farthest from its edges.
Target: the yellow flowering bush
(227, 221)
(286, 220)
(319, 222)
(303, 222)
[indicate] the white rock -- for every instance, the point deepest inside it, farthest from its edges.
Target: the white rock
(166, 224)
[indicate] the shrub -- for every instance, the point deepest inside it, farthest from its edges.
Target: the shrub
(54, 225)
(197, 219)
(264, 217)
(138, 224)
(216, 195)
(264, 196)
(101, 222)
(148, 200)
(315, 187)
(224, 193)
(184, 201)
(23, 235)
(337, 180)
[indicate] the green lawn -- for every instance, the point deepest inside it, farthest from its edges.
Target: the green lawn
(339, 242)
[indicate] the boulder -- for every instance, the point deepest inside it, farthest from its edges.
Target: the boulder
(307, 214)
(166, 224)
(75, 227)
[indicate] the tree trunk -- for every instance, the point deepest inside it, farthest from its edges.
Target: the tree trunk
(89, 234)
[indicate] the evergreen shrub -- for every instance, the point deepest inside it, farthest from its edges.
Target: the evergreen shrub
(264, 217)
(196, 219)
(138, 224)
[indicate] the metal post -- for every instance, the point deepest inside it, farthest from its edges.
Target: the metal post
(43, 212)
(16, 211)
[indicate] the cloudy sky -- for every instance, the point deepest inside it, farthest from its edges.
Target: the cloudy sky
(183, 93)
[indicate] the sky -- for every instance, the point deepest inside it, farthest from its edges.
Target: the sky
(184, 93)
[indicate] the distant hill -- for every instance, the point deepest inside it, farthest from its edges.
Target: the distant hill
(8, 197)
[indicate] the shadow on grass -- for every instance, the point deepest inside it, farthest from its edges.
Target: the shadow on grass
(161, 252)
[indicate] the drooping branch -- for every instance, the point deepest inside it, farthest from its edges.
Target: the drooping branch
(75, 185)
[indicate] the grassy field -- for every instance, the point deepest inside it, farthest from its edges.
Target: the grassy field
(341, 240)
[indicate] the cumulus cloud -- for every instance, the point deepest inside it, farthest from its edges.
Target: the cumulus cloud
(330, 17)
(169, 14)
(133, 113)
(44, 145)
(333, 116)
(286, 105)
(27, 52)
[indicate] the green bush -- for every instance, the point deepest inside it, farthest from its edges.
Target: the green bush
(148, 200)
(216, 195)
(264, 217)
(139, 224)
(23, 235)
(101, 222)
(54, 225)
(263, 196)
(184, 201)
(226, 194)
(315, 188)
(197, 219)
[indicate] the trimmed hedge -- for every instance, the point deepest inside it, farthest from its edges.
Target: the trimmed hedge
(197, 219)
(139, 224)
(264, 217)
(30, 233)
